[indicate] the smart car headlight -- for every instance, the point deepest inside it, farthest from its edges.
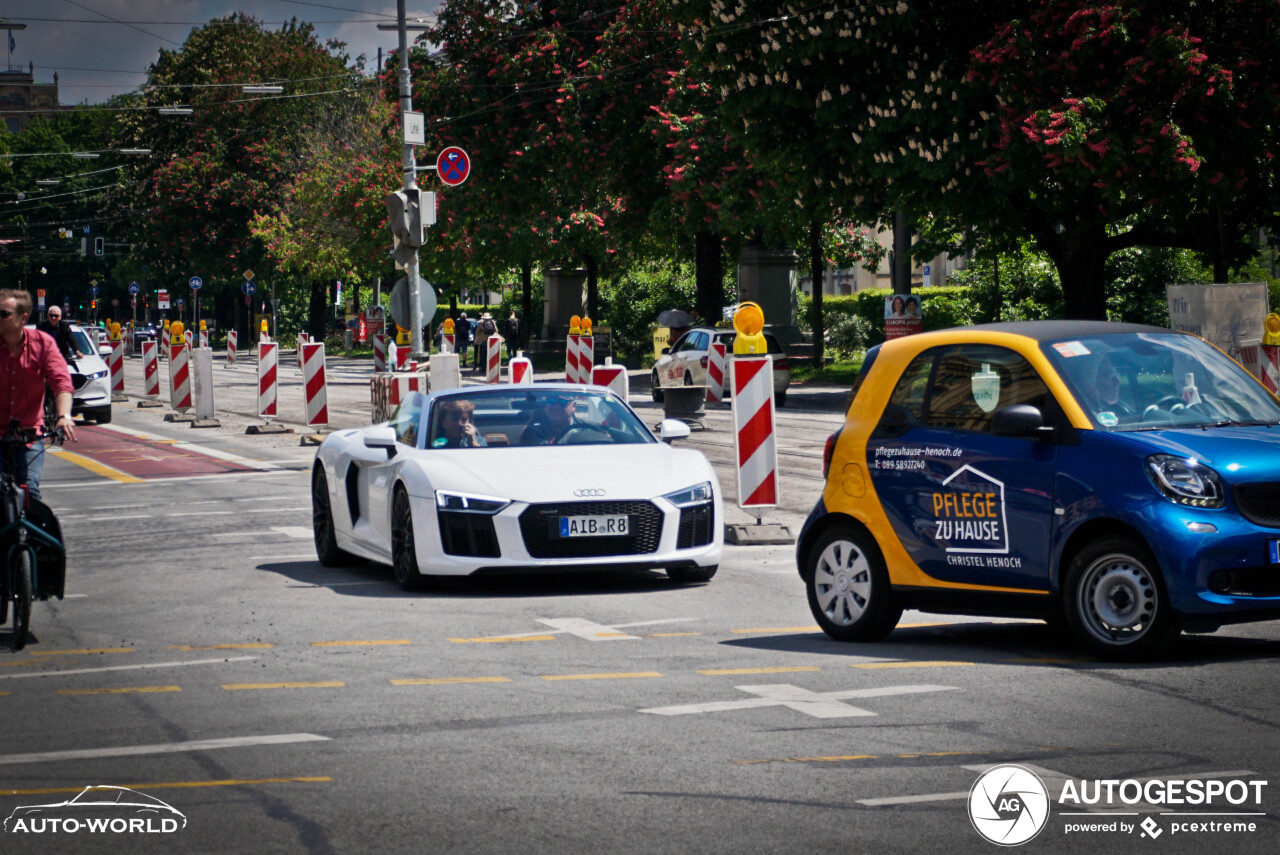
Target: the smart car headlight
(698, 494)
(468, 502)
(1186, 481)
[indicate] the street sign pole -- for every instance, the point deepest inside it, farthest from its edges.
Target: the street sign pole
(410, 183)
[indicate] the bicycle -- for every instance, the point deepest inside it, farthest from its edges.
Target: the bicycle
(30, 539)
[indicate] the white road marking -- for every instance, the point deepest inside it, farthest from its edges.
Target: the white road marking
(203, 514)
(596, 627)
(127, 667)
(301, 532)
(816, 704)
(192, 448)
(589, 630)
(78, 518)
(161, 748)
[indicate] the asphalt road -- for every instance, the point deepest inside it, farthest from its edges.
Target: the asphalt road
(204, 658)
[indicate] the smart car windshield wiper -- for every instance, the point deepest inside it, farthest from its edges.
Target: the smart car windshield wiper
(1235, 423)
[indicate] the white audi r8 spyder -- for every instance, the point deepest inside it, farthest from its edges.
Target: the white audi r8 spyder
(516, 478)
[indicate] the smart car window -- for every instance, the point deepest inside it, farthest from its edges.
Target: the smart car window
(973, 381)
(908, 393)
(1148, 381)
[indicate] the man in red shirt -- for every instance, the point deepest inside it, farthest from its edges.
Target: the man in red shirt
(30, 360)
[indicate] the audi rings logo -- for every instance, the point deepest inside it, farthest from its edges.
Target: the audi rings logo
(587, 494)
(1008, 805)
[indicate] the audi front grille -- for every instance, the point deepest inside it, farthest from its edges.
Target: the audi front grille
(540, 527)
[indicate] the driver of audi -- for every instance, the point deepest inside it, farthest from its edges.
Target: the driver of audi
(30, 361)
(555, 420)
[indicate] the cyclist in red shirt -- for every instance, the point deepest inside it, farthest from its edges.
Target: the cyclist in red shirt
(30, 360)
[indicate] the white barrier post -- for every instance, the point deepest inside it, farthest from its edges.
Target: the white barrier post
(715, 373)
(613, 376)
(519, 369)
(756, 452)
(202, 385)
(444, 371)
(493, 354)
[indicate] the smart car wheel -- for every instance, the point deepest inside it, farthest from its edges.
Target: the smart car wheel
(655, 390)
(691, 575)
(322, 524)
(404, 555)
(1115, 601)
(848, 586)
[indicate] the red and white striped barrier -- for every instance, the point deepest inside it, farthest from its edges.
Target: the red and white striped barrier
(571, 358)
(179, 378)
(613, 376)
(751, 378)
(715, 373)
(233, 339)
(401, 354)
(519, 369)
(448, 342)
(313, 381)
(150, 370)
(128, 342)
(493, 355)
(386, 391)
(187, 335)
(204, 338)
(303, 339)
(115, 363)
(1271, 367)
(268, 355)
(586, 356)
(379, 352)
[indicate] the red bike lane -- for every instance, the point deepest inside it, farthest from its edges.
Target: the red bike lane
(128, 457)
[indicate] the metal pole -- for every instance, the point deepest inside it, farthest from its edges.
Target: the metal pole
(410, 183)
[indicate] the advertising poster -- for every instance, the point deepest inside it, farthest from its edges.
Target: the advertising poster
(902, 315)
(1225, 315)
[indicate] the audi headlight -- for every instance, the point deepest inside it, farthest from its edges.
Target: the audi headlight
(471, 503)
(1186, 481)
(695, 495)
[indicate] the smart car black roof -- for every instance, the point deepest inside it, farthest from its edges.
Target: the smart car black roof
(1050, 330)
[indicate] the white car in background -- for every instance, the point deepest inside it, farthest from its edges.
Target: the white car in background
(90, 379)
(685, 363)
(606, 495)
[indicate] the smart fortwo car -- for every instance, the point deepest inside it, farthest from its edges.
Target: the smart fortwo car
(515, 479)
(1122, 478)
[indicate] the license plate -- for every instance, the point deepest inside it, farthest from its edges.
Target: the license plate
(611, 525)
(1275, 551)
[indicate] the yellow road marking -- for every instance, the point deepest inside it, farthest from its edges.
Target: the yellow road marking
(1048, 661)
(776, 629)
(672, 634)
(125, 691)
(782, 669)
(176, 784)
(446, 681)
(4, 694)
(832, 759)
(621, 676)
(321, 684)
(359, 643)
(96, 467)
(921, 664)
(24, 662)
(499, 639)
(255, 646)
(611, 635)
(81, 652)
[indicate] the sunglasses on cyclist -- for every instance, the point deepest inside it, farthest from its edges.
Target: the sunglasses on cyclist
(5, 313)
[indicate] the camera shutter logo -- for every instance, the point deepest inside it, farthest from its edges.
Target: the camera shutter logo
(1008, 805)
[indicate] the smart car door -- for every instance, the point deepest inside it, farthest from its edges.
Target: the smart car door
(968, 504)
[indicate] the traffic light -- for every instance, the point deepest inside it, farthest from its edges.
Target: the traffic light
(404, 215)
(98, 245)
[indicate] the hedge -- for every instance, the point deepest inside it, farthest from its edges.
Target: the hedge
(942, 306)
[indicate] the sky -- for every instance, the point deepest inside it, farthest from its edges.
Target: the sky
(101, 48)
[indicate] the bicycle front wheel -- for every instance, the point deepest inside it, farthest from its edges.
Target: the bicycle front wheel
(21, 598)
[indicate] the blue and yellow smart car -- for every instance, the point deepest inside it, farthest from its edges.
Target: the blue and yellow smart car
(1123, 478)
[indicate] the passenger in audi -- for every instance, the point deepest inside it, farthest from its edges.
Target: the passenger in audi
(457, 423)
